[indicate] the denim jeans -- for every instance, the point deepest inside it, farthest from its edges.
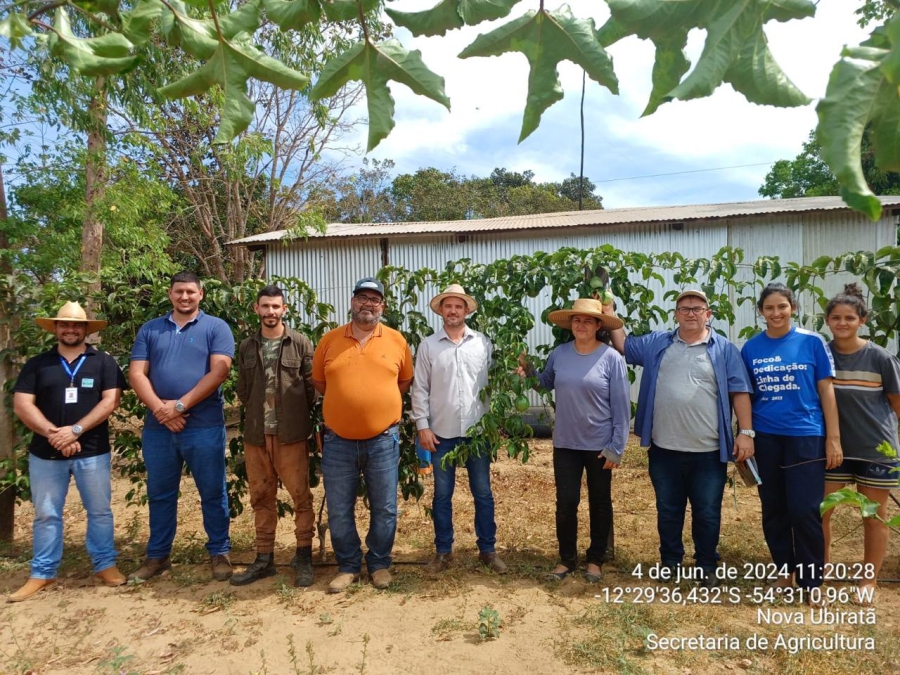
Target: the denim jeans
(568, 467)
(49, 487)
(165, 454)
(792, 469)
(678, 477)
(378, 460)
(479, 469)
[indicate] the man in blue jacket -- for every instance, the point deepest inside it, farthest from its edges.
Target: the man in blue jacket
(692, 379)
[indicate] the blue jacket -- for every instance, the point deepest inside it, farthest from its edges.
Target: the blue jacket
(731, 377)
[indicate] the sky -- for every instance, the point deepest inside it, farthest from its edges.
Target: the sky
(684, 138)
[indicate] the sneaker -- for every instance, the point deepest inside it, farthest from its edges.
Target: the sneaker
(150, 568)
(493, 561)
(111, 577)
(31, 587)
(221, 568)
(439, 563)
(262, 567)
(381, 579)
(343, 579)
(302, 564)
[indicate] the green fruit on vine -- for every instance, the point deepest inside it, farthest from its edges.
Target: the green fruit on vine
(596, 282)
(607, 298)
(522, 403)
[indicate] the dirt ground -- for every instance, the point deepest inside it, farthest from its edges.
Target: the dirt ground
(185, 623)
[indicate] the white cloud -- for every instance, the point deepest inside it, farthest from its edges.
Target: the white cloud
(488, 97)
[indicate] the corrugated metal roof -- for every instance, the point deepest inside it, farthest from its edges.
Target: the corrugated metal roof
(541, 221)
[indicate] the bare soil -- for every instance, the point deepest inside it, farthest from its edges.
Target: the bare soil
(185, 623)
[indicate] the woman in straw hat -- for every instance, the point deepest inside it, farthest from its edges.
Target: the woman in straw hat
(593, 410)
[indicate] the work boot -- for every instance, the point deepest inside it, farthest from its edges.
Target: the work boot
(302, 564)
(111, 577)
(381, 579)
(439, 563)
(493, 561)
(340, 583)
(150, 568)
(221, 567)
(262, 567)
(31, 587)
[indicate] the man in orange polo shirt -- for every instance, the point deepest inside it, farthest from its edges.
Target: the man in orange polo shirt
(363, 369)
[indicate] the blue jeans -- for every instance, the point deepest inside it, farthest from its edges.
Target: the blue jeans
(378, 460)
(792, 469)
(678, 477)
(49, 487)
(165, 454)
(479, 469)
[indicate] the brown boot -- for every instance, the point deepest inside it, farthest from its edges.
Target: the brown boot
(221, 567)
(381, 579)
(31, 587)
(111, 577)
(150, 568)
(493, 561)
(340, 583)
(439, 563)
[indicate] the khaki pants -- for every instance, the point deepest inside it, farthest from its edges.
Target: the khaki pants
(290, 463)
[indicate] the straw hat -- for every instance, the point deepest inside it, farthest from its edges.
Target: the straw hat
(588, 307)
(71, 311)
(453, 291)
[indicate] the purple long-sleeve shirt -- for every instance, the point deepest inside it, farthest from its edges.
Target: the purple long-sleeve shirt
(593, 402)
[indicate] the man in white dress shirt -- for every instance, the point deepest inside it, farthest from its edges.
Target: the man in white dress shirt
(451, 369)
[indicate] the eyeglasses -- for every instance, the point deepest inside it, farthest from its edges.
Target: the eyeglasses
(684, 311)
(367, 299)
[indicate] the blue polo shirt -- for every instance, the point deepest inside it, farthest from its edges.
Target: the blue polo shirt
(179, 359)
(731, 378)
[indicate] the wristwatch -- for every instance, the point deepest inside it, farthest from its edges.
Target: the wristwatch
(77, 430)
(179, 406)
(747, 432)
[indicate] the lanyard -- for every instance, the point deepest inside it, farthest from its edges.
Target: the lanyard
(72, 373)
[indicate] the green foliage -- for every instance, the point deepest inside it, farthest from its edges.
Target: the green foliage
(488, 623)
(546, 38)
(450, 14)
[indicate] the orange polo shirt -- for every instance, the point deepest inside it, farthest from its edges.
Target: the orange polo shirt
(362, 398)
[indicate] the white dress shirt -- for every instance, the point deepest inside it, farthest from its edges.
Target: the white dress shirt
(448, 380)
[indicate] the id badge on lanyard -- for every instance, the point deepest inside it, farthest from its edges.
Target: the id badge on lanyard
(72, 390)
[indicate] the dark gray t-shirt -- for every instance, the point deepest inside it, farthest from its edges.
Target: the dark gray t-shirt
(861, 385)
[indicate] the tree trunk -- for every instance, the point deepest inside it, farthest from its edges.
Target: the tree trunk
(95, 189)
(7, 372)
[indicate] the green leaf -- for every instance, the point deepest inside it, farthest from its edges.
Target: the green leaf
(346, 10)
(867, 507)
(858, 94)
(15, 28)
(374, 65)
(546, 38)
(886, 449)
(735, 51)
(136, 23)
(451, 14)
(103, 55)
(293, 14)
(234, 62)
(199, 38)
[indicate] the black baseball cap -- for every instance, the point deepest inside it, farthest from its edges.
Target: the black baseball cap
(369, 284)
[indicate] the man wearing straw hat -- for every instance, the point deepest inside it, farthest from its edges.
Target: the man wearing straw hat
(65, 396)
(692, 379)
(451, 370)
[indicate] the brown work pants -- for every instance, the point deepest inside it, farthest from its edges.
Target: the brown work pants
(290, 463)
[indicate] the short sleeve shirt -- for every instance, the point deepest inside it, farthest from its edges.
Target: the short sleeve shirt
(362, 396)
(861, 385)
(179, 359)
(786, 372)
(45, 377)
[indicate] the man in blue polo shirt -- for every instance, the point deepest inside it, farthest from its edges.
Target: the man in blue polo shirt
(178, 364)
(692, 379)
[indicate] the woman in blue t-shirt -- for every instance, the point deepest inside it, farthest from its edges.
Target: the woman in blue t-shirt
(867, 389)
(593, 411)
(797, 436)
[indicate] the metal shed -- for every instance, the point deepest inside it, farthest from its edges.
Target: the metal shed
(798, 230)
